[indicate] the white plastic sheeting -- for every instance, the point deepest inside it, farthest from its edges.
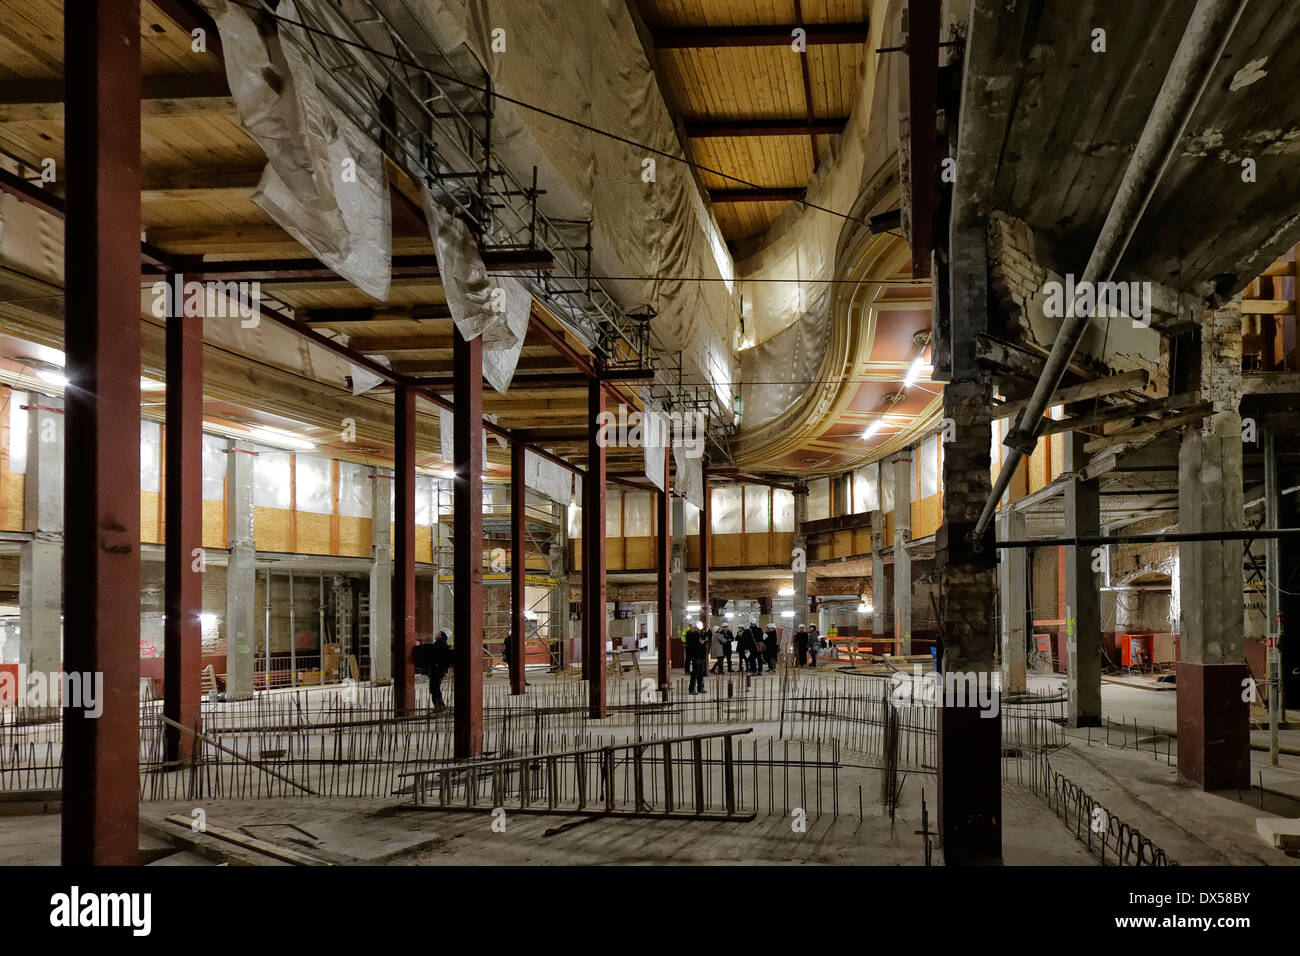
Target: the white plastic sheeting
(655, 432)
(494, 308)
(788, 312)
(324, 181)
(648, 218)
(447, 438)
(554, 481)
(690, 476)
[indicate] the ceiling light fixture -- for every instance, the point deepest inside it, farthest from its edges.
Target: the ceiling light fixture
(874, 427)
(280, 439)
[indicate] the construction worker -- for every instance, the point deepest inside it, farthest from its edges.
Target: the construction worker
(801, 645)
(760, 648)
(772, 641)
(722, 638)
(697, 656)
(440, 660)
(748, 648)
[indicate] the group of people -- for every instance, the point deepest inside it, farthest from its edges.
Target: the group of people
(754, 645)
(806, 645)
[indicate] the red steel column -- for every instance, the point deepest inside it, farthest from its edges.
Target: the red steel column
(518, 565)
(467, 563)
(101, 756)
(706, 534)
(593, 554)
(403, 609)
(664, 561)
(183, 579)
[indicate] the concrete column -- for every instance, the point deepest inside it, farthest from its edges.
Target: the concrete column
(381, 576)
(970, 737)
(1082, 597)
(902, 559)
(1213, 727)
(1013, 593)
(40, 583)
(882, 614)
(241, 572)
(799, 561)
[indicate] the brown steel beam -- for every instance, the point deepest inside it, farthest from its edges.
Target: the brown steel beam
(403, 609)
(706, 542)
(593, 555)
(728, 129)
(414, 313)
(189, 16)
(101, 756)
(518, 566)
(772, 194)
(467, 563)
(663, 561)
(807, 91)
(923, 105)
(416, 265)
(183, 558)
(700, 38)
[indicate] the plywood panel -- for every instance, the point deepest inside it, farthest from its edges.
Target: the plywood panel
(271, 529)
(214, 524)
(354, 536)
(313, 533)
(756, 550)
(640, 553)
(728, 551)
(149, 530)
(14, 519)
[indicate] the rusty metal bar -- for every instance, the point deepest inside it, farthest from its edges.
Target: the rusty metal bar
(183, 496)
(467, 515)
(593, 560)
(518, 566)
(102, 456)
(403, 583)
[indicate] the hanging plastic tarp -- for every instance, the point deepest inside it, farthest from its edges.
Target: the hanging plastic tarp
(649, 222)
(556, 482)
(324, 182)
(690, 476)
(447, 438)
(363, 380)
(654, 432)
(494, 308)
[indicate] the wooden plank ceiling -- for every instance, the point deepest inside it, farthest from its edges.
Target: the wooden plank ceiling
(751, 107)
(200, 169)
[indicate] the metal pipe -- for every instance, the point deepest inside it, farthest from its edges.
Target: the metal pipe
(1094, 541)
(1204, 39)
(1272, 577)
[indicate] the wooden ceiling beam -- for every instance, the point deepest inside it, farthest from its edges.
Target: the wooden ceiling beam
(773, 194)
(703, 38)
(165, 94)
(731, 128)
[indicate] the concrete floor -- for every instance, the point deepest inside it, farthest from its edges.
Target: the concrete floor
(1138, 785)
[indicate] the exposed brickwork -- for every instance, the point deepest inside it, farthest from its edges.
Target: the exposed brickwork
(968, 582)
(1014, 273)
